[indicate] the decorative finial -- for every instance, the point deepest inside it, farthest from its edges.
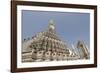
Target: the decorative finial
(51, 24)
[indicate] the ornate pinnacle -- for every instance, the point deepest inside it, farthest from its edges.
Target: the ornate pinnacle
(51, 22)
(51, 25)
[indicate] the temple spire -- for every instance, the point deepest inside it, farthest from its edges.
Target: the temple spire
(51, 25)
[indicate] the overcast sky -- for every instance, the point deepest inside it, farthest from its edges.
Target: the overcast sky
(70, 26)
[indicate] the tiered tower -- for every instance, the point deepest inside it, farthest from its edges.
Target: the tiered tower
(83, 50)
(46, 46)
